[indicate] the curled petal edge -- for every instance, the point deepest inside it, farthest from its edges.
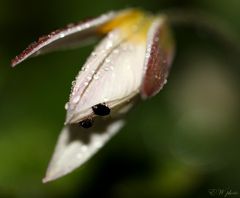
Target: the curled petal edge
(159, 56)
(66, 37)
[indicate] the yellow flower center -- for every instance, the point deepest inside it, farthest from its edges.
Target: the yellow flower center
(133, 24)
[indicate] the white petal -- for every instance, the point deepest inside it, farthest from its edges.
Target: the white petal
(76, 145)
(112, 75)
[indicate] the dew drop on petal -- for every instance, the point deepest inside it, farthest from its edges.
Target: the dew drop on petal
(105, 99)
(109, 45)
(66, 106)
(87, 25)
(76, 99)
(157, 76)
(73, 83)
(107, 60)
(94, 54)
(83, 68)
(89, 78)
(106, 68)
(98, 144)
(156, 39)
(84, 148)
(111, 68)
(79, 28)
(62, 35)
(96, 76)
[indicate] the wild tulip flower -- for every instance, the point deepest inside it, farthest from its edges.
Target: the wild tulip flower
(132, 60)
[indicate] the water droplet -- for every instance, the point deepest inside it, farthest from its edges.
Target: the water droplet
(84, 148)
(87, 25)
(85, 67)
(89, 77)
(157, 76)
(108, 60)
(111, 68)
(156, 39)
(66, 106)
(73, 83)
(106, 68)
(98, 144)
(86, 83)
(165, 82)
(105, 99)
(111, 35)
(147, 55)
(94, 54)
(76, 99)
(109, 45)
(62, 35)
(96, 76)
(79, 28)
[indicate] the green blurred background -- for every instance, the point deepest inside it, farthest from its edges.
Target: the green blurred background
(181, 143)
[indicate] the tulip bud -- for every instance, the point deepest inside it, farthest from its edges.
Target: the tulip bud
(133, 59)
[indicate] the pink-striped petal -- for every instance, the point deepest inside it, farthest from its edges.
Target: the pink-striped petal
(159, 56)
(69, 36)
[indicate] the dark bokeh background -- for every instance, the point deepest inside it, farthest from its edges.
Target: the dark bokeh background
(180, 143)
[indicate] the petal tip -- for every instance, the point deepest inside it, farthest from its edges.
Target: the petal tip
(52, 175)
(14, 62)
(47, 179)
